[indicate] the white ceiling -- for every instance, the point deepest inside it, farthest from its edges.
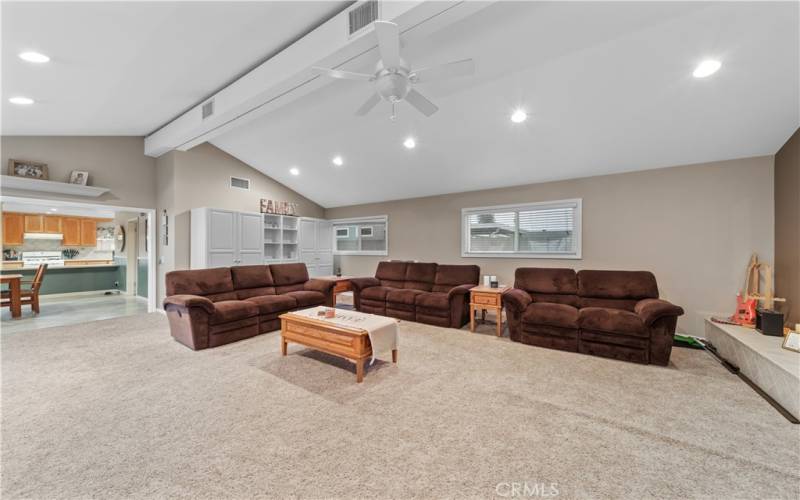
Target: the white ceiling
(126, 68)
(608, 87)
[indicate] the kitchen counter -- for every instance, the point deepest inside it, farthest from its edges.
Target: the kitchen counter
(16, 265)
(76, 278)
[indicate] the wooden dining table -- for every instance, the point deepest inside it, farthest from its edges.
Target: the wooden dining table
(15, 291)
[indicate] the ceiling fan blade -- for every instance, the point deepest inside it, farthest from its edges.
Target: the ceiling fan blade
(368, 105)
(464, 67)
(421, 102)
(388, 43)
(344, 75)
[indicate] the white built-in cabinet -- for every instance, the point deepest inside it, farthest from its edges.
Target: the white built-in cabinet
(224, 238)
(316, 246)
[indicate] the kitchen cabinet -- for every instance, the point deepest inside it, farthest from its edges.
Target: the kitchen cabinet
(13, 229)
(52, 224)
(71, 228)
(34, 223)
(88, 233)
(316, 246)
(225, 238)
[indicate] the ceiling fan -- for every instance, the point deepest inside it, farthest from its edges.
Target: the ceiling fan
(394, 80)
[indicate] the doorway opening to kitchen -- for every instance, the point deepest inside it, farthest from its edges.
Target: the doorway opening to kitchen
(100, 261)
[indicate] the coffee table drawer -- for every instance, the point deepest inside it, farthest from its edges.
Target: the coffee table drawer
(321, 334)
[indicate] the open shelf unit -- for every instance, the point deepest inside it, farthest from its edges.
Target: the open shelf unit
(280, 238)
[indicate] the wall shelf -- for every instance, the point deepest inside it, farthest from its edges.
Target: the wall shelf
(26, 184)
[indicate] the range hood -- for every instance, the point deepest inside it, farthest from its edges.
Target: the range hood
(43, 236)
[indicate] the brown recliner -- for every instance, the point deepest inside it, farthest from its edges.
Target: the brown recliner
(431, 293)
(212, 307)
(614, 314)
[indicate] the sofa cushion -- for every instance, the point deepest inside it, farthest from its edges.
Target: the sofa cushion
(548, 313)
(612, 321)
(631, 285)
(433, 300)
(271, 304)
(308, 298)
(420, 276)
(406, 297)
(555, 285)
(289, 274)
(232, 310)
(449, 276)
(376, 292)
(251, 277)
(391, 273)
(215, 284)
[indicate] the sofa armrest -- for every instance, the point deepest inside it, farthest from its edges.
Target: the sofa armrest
(362, 283)
(316, 285)
(651, 310)
(190, 301)
(459, 291)
(517, 300)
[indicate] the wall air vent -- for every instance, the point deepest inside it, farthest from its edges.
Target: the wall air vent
(363, 15)
(239, 183)
(208, 109)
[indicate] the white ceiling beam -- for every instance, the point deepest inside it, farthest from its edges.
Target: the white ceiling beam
(287, 76)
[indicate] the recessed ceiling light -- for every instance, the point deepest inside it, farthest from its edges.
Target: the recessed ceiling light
(34, 57)
(23, 101)
(54, 210)
(519, 116)
(706, 68)
(338, 161)
(410, 143)
(294, 171)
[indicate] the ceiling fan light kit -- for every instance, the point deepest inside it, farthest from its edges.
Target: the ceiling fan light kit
(394, 79)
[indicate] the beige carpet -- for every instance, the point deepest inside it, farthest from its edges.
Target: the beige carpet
(117, 409)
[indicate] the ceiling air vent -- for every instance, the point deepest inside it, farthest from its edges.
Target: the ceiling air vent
(208, 109)
(239, 183)
(363, 15)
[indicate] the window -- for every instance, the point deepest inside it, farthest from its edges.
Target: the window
(361, 236)
(550, 230)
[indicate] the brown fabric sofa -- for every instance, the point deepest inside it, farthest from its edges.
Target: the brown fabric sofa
(212, 307)
(614, 314)
(430, 293)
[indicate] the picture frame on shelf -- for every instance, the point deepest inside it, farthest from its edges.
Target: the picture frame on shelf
(80, 177)
(28, 169)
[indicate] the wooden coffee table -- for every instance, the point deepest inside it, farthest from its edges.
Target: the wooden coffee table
(338, 340)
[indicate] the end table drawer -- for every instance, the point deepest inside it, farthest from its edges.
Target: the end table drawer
(492, 299)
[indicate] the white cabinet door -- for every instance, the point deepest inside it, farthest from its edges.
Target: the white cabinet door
(308, 235)
(221, 238)
(324, 236)
(250, 238)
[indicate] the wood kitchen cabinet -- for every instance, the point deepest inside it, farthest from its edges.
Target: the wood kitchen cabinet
(71, 228)
(52, 224)
(88, 233)
(13, 229)
(34, 223)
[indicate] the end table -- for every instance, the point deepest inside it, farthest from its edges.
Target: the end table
(483, 298)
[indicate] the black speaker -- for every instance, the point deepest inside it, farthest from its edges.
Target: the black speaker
(769, 322)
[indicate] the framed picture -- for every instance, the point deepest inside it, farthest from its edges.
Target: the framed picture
(791, 341)
(30, 169)
(79, 177)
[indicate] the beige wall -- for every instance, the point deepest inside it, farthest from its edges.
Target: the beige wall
(693, 226)
(787, 226)
(200, 178)
(118, 163)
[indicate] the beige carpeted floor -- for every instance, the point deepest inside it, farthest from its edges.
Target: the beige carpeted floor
(117, 409)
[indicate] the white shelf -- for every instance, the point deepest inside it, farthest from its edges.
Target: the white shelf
(27, 184)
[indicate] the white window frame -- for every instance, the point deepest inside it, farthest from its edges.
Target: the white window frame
(339, 236)
(576, 203)
(377, 219)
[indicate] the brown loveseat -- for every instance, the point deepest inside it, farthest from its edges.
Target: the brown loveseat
(212, 307)
(417, 291)
(615, 314)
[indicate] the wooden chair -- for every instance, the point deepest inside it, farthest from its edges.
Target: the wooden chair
(28, 296)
